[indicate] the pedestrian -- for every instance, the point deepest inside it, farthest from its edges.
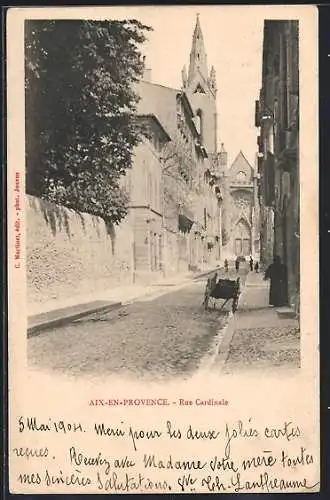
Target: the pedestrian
(278, 292)
(256, 267)
(251, 263)
(226, 265)
(237, 264)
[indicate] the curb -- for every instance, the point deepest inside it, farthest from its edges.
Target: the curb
(65, 318)
(206, 273)
(223, 349)
(209, 361)
(227, 333)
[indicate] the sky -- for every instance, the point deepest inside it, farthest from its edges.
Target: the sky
(233, 43)
(233, 37)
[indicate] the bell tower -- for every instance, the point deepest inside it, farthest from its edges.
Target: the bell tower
(201, 88)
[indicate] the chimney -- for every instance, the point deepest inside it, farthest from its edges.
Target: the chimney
(147, 71)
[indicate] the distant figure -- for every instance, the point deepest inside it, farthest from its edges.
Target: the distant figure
(226, 265)
(277, 273)
(256, 267)
(237, 264)
(251, 263)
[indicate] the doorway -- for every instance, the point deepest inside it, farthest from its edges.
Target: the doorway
(242, 240)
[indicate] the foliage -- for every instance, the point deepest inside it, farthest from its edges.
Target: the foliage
(81, 125)
(180, 172)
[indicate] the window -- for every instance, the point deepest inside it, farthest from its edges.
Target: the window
(199, 90)
(155, 142)
(199, 114)
(241, 177)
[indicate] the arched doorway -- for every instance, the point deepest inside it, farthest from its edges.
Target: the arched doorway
(242, 239)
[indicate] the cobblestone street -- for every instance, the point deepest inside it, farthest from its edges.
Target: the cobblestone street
(155, 337)
(169, 334)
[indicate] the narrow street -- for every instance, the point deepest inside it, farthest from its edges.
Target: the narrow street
(160, 337)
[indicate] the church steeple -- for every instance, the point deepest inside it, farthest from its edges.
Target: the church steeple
(198, 58)
(201, 89)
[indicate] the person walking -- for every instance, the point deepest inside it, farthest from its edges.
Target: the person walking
(237, 264)
(278, 291)
(256, 267)
(226, 265)
(251, 263)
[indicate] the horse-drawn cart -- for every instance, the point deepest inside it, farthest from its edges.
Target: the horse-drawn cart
(225, 289)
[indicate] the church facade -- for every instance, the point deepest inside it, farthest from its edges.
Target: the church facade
(241, 211)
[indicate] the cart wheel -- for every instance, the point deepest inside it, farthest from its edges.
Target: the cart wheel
(234, 305)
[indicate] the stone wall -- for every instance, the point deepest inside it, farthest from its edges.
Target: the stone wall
(72, 253)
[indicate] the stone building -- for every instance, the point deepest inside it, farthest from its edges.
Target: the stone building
(176, 223)
(240, 212)
(146, 208)
(277, 115)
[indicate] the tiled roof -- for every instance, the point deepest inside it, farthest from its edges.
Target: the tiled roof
(159, 101)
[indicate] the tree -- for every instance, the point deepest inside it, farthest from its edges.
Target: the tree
(180, 172)
(81, 125)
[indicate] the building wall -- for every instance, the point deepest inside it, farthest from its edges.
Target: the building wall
(279, 134)
(145, 186)
(266, 236)
(70, 253)
(171, 252)
(148, 244)
(145, 182)
(207, 104)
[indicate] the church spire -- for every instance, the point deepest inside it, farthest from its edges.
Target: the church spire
(198, 59)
